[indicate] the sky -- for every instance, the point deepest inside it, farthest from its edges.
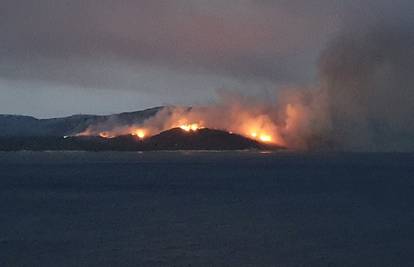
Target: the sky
(63, 57)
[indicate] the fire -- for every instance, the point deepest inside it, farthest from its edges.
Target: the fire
(266, 138)
(140, 133)
(106, 135)
(256, 124)
(190, 127)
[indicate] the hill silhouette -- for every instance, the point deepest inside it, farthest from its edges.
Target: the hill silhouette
(173, 139)
(26, 126)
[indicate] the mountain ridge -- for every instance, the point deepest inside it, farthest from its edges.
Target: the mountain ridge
(26, 126)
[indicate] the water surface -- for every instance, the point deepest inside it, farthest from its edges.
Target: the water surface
(206, 209)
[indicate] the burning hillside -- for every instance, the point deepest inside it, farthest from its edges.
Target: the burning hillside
(363, 101)
(173, 139)
(257, 125)
(201, 139)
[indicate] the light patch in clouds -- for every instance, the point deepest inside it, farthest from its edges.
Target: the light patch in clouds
(112, 88)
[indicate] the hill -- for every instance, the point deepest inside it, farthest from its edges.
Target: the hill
(202, 139)
(26, 126)
(174, 139)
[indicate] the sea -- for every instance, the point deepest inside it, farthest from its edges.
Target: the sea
(196, 208)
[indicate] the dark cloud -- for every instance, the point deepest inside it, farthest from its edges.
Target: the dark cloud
(246, 39)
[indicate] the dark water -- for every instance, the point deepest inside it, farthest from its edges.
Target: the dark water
(206, 209)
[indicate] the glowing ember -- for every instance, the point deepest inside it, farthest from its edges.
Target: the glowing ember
(190, 127)
(104, 135)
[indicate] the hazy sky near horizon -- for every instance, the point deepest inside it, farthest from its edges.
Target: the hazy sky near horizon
(61, 57)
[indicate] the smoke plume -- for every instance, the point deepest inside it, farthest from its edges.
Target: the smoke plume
(364, 100)
(368, 82)
(365, 97)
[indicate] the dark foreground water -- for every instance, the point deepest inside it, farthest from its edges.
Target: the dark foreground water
(206, 209)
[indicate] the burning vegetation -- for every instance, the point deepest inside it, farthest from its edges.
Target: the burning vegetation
(255, 122)
(190, 127)
(140, 133)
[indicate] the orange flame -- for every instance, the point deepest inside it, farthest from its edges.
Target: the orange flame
(190, 127)
(140, 133)
(257, 124)
(106, 135)
(263, 137)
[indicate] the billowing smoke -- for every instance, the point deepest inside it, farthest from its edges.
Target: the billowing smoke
(368, 81)
(364, 100)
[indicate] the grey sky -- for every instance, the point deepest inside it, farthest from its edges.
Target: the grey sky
(59, 57)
